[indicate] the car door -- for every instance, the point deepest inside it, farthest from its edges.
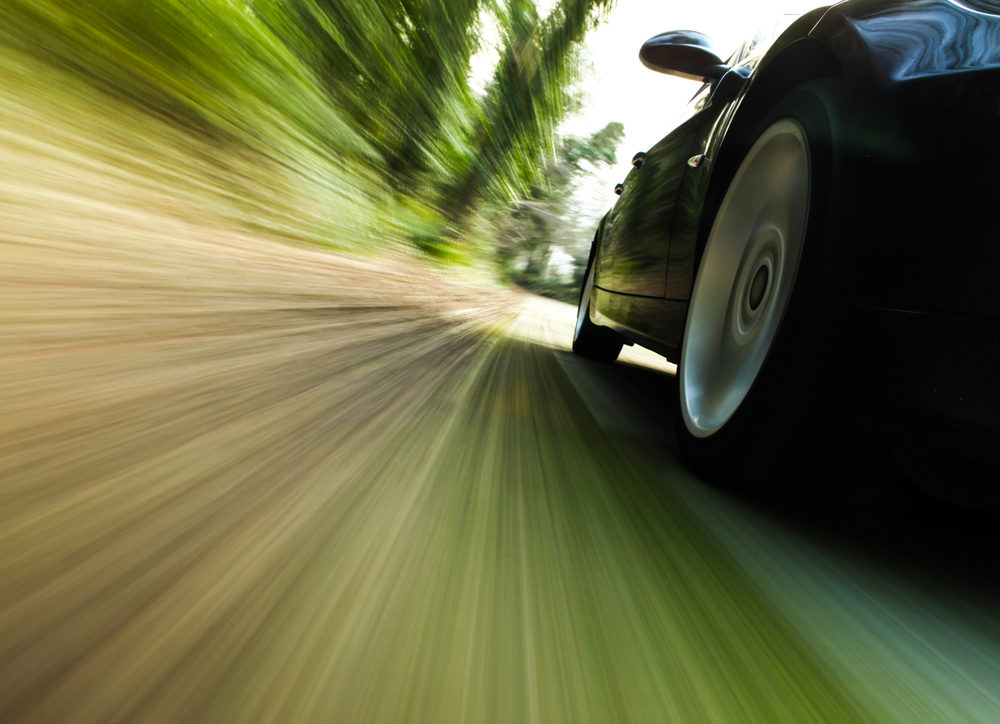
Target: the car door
(637, 232)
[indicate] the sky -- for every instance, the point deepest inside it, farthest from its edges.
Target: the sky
(619, 88)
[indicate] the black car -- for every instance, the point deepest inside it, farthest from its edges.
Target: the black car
(817, 242)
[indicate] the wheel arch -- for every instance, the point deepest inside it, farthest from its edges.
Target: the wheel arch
(793, 63)
(798, 62)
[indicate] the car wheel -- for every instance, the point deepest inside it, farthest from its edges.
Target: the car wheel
(753, 373)
(589, 339)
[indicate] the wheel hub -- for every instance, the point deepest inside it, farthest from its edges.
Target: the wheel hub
(758, 287)
(757, 274)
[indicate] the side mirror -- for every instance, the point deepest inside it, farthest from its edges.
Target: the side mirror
(683, 53)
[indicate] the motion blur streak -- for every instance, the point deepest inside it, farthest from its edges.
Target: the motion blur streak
(312, 491)
(247, 481)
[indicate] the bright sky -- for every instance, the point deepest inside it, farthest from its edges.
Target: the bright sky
(650, 104)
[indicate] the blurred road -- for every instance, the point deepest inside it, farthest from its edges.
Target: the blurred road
(243, 482)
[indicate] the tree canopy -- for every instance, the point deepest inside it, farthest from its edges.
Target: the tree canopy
(331, 110)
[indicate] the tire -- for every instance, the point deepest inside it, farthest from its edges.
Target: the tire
(755, 377)
(589, 339)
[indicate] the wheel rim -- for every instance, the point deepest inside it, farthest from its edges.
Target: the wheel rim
(583, 308)
(745, 279)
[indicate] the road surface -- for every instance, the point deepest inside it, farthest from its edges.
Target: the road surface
(243, 481)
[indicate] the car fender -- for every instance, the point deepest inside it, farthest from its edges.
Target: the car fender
(867, 43)
(901, 41)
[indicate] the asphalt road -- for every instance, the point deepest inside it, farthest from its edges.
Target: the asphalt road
(249, 482)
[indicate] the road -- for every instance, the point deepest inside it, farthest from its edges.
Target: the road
(245, 481)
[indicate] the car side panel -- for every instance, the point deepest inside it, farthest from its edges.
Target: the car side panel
(691, 202)
(657, 324)
(930, 236)
(637, 233)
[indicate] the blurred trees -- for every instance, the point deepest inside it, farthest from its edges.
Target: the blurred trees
(539, 245)
(515, 128)
(399, 72)
(347, 121)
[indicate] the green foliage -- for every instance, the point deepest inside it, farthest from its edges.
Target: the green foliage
(600, 148)
(311, 116)
(538, 227)
(396, 70)
(202, 93)
(514, 132)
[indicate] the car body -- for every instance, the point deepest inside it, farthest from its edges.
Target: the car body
(900, 256)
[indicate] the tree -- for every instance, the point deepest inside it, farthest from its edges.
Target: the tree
(398, 69)
(514, 133)
(537, 227)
